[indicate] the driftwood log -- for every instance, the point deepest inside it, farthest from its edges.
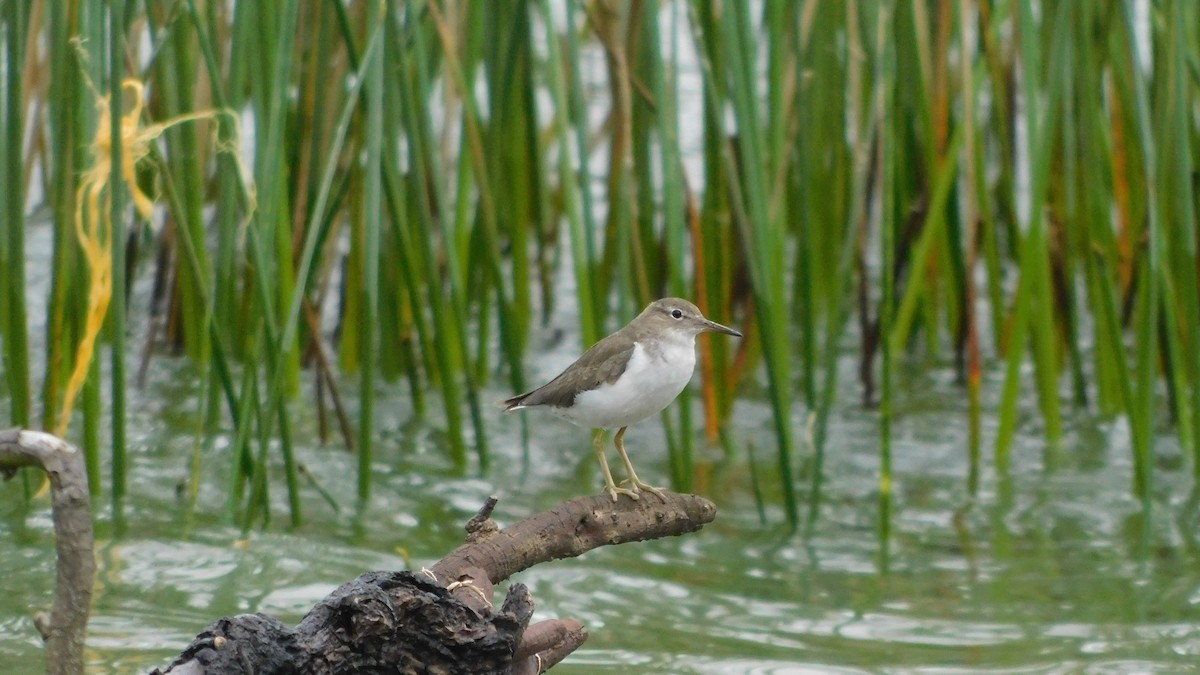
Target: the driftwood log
(63, 629)
(441, 619)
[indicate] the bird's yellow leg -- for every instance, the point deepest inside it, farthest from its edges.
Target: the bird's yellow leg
(609, 486)
(634, 482)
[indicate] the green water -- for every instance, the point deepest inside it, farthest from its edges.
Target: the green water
(1045, 572)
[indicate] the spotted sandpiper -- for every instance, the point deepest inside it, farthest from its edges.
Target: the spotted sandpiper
(625, 378)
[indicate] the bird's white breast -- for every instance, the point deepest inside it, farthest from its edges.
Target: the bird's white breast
(652, 379)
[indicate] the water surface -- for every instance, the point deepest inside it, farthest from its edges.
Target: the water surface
(1044, 572)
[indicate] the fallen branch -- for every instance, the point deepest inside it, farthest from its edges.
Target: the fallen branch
(442, 620)
(64, 629)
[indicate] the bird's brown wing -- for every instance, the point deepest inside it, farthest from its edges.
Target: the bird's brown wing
(599, 365)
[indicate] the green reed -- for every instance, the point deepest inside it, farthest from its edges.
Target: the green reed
(372, 218)
(997, 187)
(1147, 319)
(66, 115)
(12, 220)
(116, 315)
(970, 218)
(13, 311)
(885, 100)
(576, 198)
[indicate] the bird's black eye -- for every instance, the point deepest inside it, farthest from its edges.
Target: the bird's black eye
(677, 313)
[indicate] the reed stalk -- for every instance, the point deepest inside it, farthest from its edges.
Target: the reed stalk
(371, 231)
(1146, 321)
(884, 66)
(117, 236)
(12, 220)
(971, 218)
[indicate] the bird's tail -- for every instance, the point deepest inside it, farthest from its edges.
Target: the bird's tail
(514, 403)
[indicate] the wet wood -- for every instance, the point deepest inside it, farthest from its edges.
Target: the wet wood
(443, 620)
(64, 627)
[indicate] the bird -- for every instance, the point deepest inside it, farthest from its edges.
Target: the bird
(624, 378)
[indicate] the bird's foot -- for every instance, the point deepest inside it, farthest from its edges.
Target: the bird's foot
(635, 485)
(615, 491)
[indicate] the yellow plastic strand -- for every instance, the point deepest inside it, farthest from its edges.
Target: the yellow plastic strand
(93, 224)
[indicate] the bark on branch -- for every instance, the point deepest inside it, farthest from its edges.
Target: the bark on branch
(442, 620)
(64, 629)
